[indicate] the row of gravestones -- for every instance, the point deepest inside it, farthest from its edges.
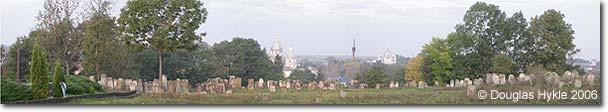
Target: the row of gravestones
(550, 79)
(179, 86)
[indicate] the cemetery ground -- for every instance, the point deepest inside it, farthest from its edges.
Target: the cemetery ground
(429, 95)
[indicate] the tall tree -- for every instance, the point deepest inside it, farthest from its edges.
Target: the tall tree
(61, 38)
(412, 71)
(437, 64)
(522, 44)
(164, 25)
(553, 40)
(39, 73)
(243, 58)
(480, 37)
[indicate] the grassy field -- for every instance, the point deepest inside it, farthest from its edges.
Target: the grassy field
(353, 96)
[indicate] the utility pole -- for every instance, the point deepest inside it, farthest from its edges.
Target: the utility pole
(17, 78)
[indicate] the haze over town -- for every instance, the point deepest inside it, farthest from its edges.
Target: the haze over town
(328, 27)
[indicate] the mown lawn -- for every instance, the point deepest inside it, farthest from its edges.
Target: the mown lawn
(353, 96)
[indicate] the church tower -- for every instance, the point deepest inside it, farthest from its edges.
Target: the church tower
(353, 49)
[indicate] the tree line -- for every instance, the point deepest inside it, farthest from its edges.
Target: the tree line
(489, 41)
(147, 39)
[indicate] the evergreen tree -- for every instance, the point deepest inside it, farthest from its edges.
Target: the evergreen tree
(39, 73)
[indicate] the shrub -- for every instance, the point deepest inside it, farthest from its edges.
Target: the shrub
(57, 78)
(38, 73)
(80, 85)
(12, 91)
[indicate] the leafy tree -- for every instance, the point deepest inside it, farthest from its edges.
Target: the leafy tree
(412, 71)
(103, 52)
(277, 65)
(39, 73)
(479, 38)
(19, 56)
(502, 64)
(320, 76)
(164, 25)
(374, 75)
(553, 45)
(523, 45)
(59, 35)
(243, 58)
(437, 64)
(305, 76)
(57, 78)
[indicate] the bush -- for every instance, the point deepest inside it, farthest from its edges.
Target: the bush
(57, 78)
(39, 73)
(12, 91)
(80, 85)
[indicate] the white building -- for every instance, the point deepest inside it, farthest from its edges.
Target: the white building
(290, 60)
(276, 49)
(386, 58)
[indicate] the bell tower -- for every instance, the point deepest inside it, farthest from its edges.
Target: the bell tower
(354, 49)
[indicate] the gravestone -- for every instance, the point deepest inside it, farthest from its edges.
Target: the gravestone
(495, 79)
(577, 83)
(261, 83)
(589, 79)
(452, 83)
(502, 79)
(412, 84)
(140, 85)
(472, 91)
(171, 86)
(92, 78)
(421, 85)
(250, 84)
(511, 80)
(478, 81)
(332, 86)
(312, 85)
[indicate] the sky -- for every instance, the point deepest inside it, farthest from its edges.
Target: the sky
(327, 27)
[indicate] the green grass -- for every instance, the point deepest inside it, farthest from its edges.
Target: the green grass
(354, 96)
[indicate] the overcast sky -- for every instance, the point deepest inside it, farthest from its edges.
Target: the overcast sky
(327, 27)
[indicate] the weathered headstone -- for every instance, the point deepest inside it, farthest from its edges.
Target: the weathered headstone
(495, 79)
(502, 79)
(421, 85)
(260, 83)
(511, 80)
(250, 84)
(589, 79)
(472, 91)
(577, 83)
(452, 83)
(412, 84)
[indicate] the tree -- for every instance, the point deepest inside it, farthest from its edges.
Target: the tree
(502, 64)
(18, 58)
(304, 76)
(59, 35)
(57, 79)
(103, 52)
(39, 73)
(437, 64)
(553, 45)
(374, 75)
(164, 25)
(243, 58)
(320, 76)
(277, 65)
(479, 38)
(412, 71)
